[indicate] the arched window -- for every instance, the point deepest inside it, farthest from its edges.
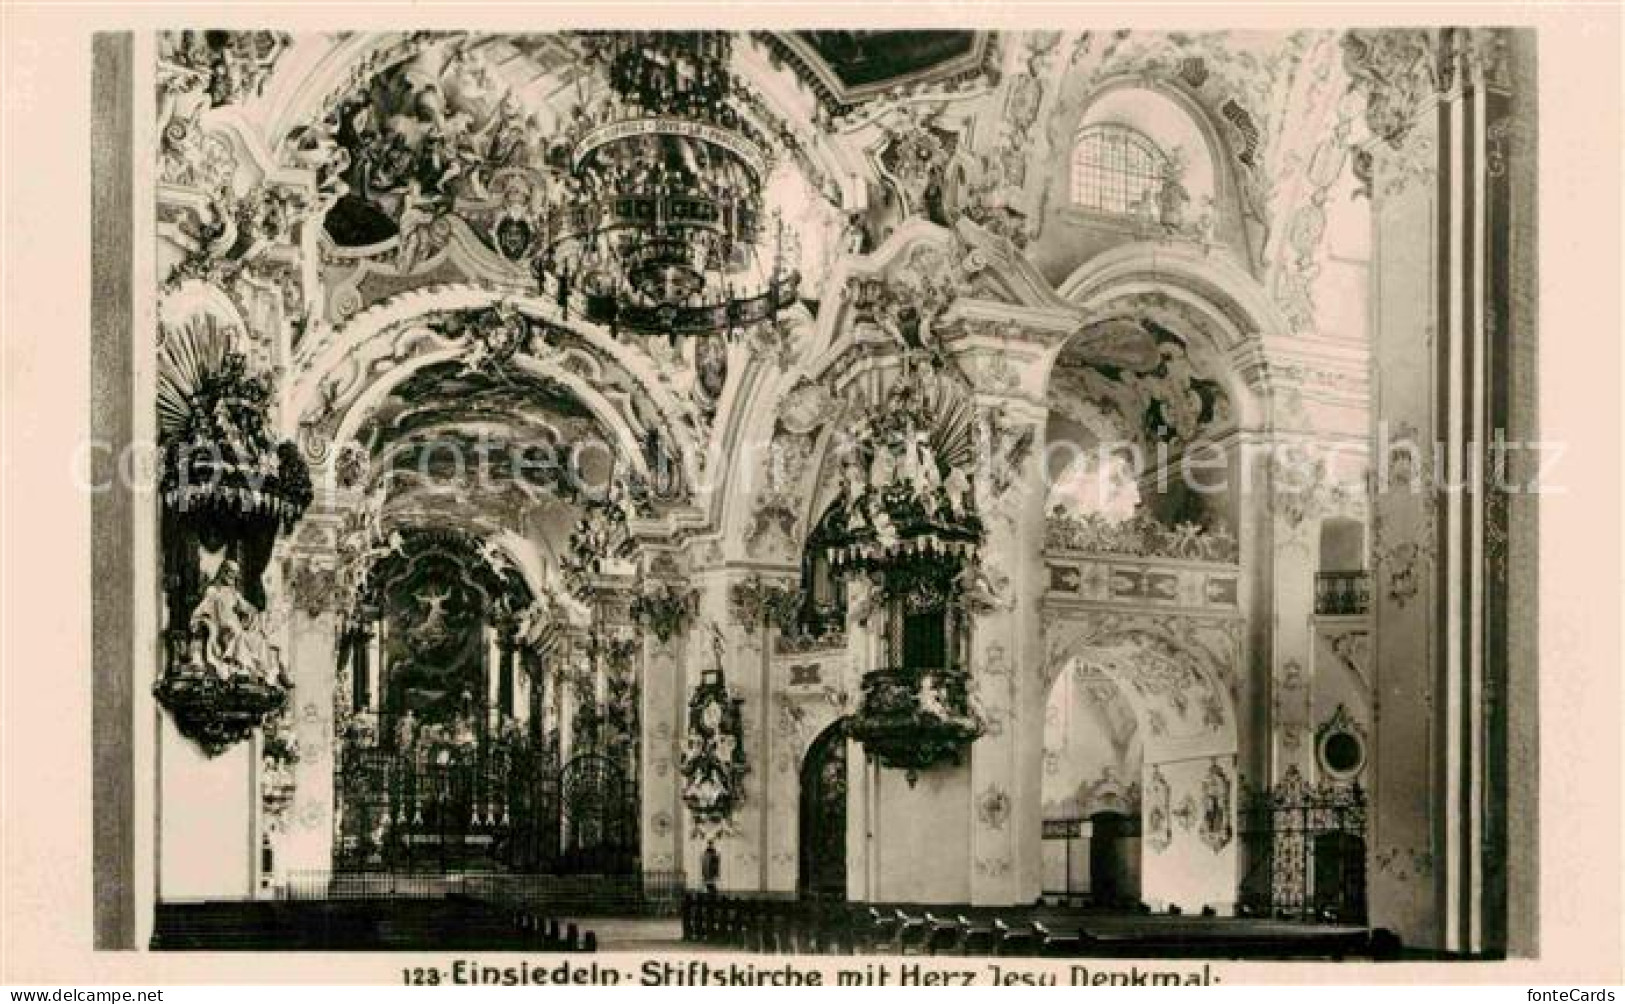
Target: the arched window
(1116, 169)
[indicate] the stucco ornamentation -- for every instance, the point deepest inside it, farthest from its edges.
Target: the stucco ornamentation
(993, 807)
(1185, 814)
(1396, 70)
(1158, 812)
(1217, 826)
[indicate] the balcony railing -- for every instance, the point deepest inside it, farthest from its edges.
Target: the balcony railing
(1342, 594)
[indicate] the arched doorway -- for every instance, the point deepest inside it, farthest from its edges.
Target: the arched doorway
(822, 873)
(1092, 755)
(600, 817)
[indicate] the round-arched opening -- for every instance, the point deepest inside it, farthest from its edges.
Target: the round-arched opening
(1129, 399)
(1138, 726)
(821, 872)
(1093, 753)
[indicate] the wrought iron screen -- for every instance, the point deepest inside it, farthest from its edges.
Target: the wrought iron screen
(489, 809)
(1305, 849)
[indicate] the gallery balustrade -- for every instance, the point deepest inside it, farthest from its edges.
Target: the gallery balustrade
(1342, 594)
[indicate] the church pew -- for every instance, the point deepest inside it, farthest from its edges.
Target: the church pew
(1055, 945)
(912, 933)
(978, 938)
(776, 924)
(880, 933)
(945, 935)
(1017, 941)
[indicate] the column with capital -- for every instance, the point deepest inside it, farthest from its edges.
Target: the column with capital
(314, 624)
(663, 610)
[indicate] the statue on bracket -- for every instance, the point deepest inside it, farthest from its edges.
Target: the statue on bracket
(1158, 812)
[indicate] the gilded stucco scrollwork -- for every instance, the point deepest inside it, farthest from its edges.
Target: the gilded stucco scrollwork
(1158, 824)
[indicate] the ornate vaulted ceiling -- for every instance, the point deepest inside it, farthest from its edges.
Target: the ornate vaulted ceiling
(495, 437)
(887, 133)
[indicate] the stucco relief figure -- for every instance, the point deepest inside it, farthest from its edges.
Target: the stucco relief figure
(985, 587)
(711, 364)
(1172, 196)
(418, 212)
(231, 632)
(958, 488)
(704, 791)
(1171, 387)
(855, 238)
(931, 699)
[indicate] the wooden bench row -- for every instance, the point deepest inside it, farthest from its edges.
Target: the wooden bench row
(789, 926)
(452, 922)
(547, 934)
(793, 927)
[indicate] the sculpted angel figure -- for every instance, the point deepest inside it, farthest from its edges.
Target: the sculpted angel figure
(885, 531)
(883, 469)
(856, 482)
(928, 474)
(406, 731)
(985, 588)
(932, 700)
(958, 488)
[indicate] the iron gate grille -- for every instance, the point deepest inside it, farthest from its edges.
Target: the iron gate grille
(490, 810)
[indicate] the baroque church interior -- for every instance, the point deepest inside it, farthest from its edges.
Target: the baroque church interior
(929, 472)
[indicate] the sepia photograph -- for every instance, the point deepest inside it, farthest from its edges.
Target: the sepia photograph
(675, 504)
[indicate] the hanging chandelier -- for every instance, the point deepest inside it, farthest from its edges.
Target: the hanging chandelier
(657, 225)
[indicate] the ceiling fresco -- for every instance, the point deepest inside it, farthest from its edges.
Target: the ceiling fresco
(497, 440)
(1145, 373)
(1174, 699)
